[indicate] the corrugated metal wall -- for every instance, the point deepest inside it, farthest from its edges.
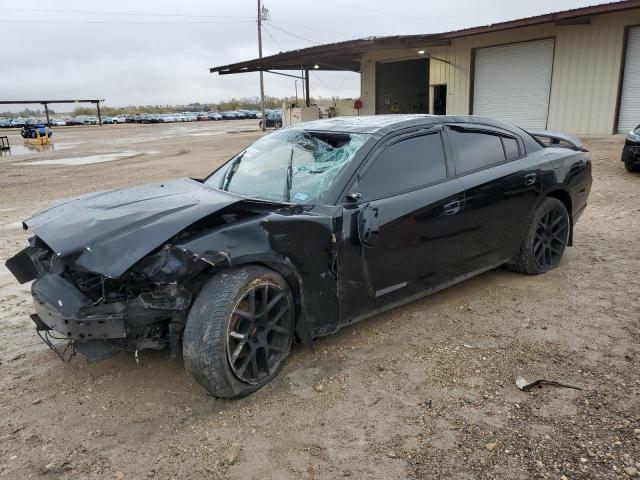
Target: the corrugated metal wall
(586, 70)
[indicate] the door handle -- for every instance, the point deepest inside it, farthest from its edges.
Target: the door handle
(453, 207)
(530, 178)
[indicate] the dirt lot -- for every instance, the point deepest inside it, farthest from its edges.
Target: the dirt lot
(424, 391)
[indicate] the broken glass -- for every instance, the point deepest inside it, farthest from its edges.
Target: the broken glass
(316, 158)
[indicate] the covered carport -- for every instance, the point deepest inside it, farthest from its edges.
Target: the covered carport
(46, 103)
(403, 83)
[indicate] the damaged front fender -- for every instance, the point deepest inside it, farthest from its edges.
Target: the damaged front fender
(299, 243)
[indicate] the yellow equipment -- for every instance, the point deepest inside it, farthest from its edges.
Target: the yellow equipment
(39, 141)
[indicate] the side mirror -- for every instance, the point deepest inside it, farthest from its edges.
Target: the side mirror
(368, 226)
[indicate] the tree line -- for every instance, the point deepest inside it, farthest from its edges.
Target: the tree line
(245, 103)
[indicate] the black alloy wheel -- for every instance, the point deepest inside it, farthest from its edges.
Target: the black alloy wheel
(546, 237)
(239, 331)
(550, 240)
(259, 333)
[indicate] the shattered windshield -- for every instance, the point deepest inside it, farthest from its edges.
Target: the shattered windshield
(294, 165)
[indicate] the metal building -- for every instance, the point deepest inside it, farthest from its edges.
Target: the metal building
(575, 71)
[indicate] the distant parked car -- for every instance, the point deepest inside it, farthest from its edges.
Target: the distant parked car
(57, 122)
(5, 123)
(228, 116)
(18, 122)
(215, 116)
(191, 117)
(181, 118)
(273, 119)
(120, 119)
(107, 120)
(74, 121)
(167, 118)
(631, 151)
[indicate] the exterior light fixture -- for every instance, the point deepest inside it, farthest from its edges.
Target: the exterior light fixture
(420, 52)
(316, 66)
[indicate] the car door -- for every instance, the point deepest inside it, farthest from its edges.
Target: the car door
(406, 187)
(501, 186)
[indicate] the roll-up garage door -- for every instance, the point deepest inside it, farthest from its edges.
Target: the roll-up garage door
(513, 82)
(630, 99)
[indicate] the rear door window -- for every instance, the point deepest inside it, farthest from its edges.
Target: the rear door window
(403, 166)
(475, 149)
(511, 149)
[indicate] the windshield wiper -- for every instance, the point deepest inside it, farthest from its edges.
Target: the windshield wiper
(289, 179)
(232, 171)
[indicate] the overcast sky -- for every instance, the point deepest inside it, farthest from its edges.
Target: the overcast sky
(158, 52)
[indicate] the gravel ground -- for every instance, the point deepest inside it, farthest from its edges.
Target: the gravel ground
(423, 391)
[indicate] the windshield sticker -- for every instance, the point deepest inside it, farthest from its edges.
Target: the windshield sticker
(301, 197)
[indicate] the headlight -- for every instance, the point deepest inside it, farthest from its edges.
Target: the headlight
(634, 135)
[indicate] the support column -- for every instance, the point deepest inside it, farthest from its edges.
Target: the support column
(46, 112)
(99, 117)
(307, 97)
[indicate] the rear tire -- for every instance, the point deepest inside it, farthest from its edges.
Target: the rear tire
(545, 239)
(632, 167)
(239, 331)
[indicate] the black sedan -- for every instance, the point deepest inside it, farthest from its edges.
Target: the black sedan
(631, 151)
(273, 119)
(309, 229)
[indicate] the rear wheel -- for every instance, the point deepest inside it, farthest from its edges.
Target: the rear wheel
(632, 167)
(239, 331)
(545, 240)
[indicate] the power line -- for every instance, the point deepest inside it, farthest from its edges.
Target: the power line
(344, 79)
(109, 22)
(307, 27)
(272, 37)
(94, 12)
(385, 12)
(294, 35)
(317, 77)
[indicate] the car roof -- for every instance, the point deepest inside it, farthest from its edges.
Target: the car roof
(383, 124)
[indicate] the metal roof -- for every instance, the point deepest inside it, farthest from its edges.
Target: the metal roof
(346, 55)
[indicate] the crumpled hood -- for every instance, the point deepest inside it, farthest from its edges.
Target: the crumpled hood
(107, 232)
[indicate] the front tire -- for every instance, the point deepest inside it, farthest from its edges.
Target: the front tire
(545, 239)
(239, 331)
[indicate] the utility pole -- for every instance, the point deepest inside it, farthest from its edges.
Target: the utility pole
(264, 120)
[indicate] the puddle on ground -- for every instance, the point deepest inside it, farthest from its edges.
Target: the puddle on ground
(18, 149)
(205, 134)
(88, 160)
